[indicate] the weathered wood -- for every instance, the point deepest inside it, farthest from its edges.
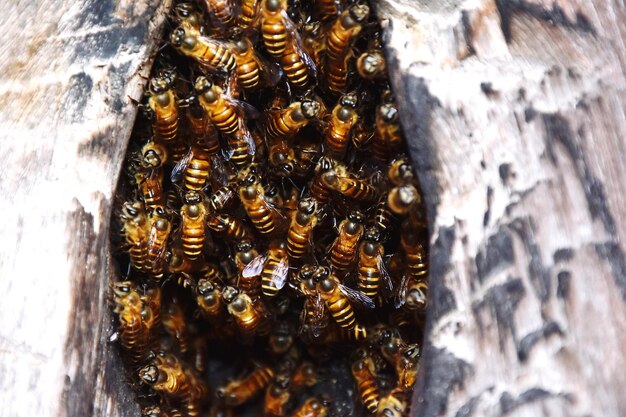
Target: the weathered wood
(515, 111)
(66, 74)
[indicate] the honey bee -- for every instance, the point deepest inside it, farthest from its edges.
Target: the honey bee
(249, 15)
(388, 139)
(311, 408)
(153, 155)
(135, 230)
(163, 105)
(362, 135)
(194, 168)
(150, 184)
(404, 359)
(342, 120)
(277, 397)
(314, 317)
(371, 267)
(394, 404)
(417, 267)
(384, 218)
(230, 227)
(193, 226)
(212, 54)
(343, 251)
(400, 171)
(221, 13)
(189, 18)
(160, 227)
(336, 297)
(245, 252)
(252, 69)
(223, 111)
(402, 199)
(340, 334)
(265, 217)
(167, 375)
(300, 233)
(205, 133)
(178, 264)
(209, 299)
(363, 373)
(412, 294)
(372, 65)
(282, 157)
(273, 269)
(282, 41)
(284, 124)
(240, 391)
(340, 180)
(248, 317)
(223, 199)
(175, 325)
(318, 188)
(314, 40)
(339, 41)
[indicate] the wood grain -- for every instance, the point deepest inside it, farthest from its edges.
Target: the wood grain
(515, 110)
(66, 74)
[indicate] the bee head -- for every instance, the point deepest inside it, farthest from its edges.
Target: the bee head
(388, 113)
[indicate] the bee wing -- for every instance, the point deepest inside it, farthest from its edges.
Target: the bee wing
(281, 273)
(243, 134)
(297, 41)
(318, 307)
(243, 108)
(400, 294)
(357, 296)
(255, 267)
(270, 70)
(387, 283)
(212, 44)
(179, 168)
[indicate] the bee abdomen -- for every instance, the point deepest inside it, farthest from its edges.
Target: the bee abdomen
(274, 37)
(295, 69)
(226, 121)
(166, 126)
(342, 312)
(197, 174)
(369, 280)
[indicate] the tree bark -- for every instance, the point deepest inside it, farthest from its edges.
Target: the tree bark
(514, 111)
(515, 115)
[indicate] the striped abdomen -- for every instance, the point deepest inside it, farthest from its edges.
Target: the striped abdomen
(225, 118)
(319, 191)
(239, 150)
(343, 252)
(356, 189)
(295, 69)
(248, 14)
(275, 36)
(214, 55)
(197, 172)
(299, 239)
(340, 308)
(248, 71)
(193, 233)
(366, 384)
(165, 125)
(369, 274)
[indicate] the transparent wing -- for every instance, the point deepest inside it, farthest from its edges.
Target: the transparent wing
(387, 283)
(318, 308)
(179, 168)
(281, 273)
(271, 72)
(255, 267)
(297, 42)
(357, 296)
(400, 294)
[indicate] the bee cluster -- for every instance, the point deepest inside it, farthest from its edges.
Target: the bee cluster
(271, 226)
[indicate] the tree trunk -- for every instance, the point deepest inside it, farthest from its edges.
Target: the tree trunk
(515, 115)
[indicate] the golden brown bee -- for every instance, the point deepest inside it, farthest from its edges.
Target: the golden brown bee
(282, 41)
(253, 71)
(210, 53)
(221, 13)
(265, 217)
(205, 133)
(175, 324)
(318, 189)
(300, 233)
(240, 391)
(284, 124)
(150, 184)
(336, 297)
(342, 120)
(275, 269)
(371, 267)
(136, 320)
(163, 104)
(417, 266)
(245, 252)
(178, 264)
(384, 218)
(402, 198)
(209, 299)
(340, 180)
(404, 359)
(363, 373)
(245, 312)
(153, 155)
(223, 199)
(339, 42)
(412, 294)
(167, 375)
(135, 230)
(194, 168)
(388, 139)
(193, 226)
(277, 397)
(314, 41)
(340, 334)
(400, 171)
(223, 111)
(394, 404)
(372, 65)
(249, 15)
(343, 251)
(231, 228)
(282, 157)
(311, 408)
(362, 135)
(189, 18)
(159, 226)
(314, 317)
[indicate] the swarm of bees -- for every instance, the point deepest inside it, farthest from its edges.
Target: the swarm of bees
(270, 233)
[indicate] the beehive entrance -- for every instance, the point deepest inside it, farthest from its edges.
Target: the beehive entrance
(271, 226)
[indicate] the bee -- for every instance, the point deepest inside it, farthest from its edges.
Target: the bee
(336, 297)
(194, 168)
(223, 199)
(212, 54)
(205, 133)
(282, 157)
(175, 325)
(178, 264)
(372, 65)
(363, 373)
(240, 391)
(311, 408)
(281, 338)
(150, 184)
(343, 251)
(388, 139)
(252, 69)
(167, 375)
(342, 120)
(417, 267)
(339, 41)
(247, 316)
(404, 358)
(245, 252)
(400, 171)
(304, 377)
(249, 15)
(163, 107)
(300, 233)
(314, 317)
(230, 227)
(394, 404)
(193, 226)
(156, 411)
(273, 269)
(384, 218)
(153, 155)
(282, 41)
(314, 40)
(159, 226)
(265, 217)
(362, 135)
(340, 334)
(318, 188)
(136, 321)
(402, 198)
(135, 230)
(189, 18)
(223, 111)
(285, 123)
(221, 13)
(371, 267)
(277, 397)
(340, 180)
(209, 299)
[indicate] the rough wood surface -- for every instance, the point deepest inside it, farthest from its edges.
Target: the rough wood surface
(515, 111)
(66, 72)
